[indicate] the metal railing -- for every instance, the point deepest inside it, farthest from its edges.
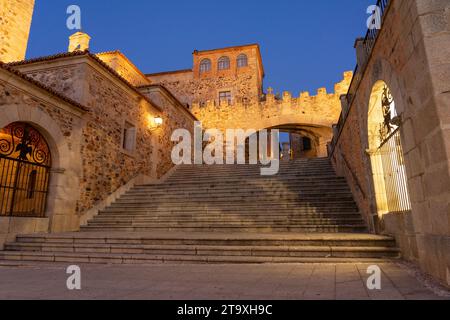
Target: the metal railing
(368, 45)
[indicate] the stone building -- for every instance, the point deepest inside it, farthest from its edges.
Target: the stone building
(224, 89)
(85, 143)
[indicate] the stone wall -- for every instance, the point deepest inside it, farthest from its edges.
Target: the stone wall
(175, 116)
(411, 56)
(15, 23)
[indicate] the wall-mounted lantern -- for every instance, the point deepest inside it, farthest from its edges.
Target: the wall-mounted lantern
(155, 122)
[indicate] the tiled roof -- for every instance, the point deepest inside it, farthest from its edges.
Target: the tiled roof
(36, 83)
(168, 72)
(87, 54)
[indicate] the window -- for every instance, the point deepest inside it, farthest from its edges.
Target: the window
(225, 96)
(224, 63)
(205, 65)
(242, 61)
(129, 137)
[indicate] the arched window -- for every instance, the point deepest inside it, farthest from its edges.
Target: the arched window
(205, 65)
(224, 63)
(242, 61)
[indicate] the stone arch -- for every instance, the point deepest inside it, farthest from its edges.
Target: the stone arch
(380, 71)
(291, 118)
(383, 190)
(66, 163)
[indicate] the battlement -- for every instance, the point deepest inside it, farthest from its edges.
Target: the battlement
(270, 99)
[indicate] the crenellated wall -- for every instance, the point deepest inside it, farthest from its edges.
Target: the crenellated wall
(321, 110)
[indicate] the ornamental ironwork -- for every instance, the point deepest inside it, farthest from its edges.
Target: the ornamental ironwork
(391, 120)
(23, 142)
(25, 162)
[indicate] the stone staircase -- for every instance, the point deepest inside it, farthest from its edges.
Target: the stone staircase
(221, 214)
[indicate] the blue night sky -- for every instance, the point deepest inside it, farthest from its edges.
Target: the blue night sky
(305, 44)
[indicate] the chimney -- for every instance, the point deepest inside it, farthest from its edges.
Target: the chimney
(79, 42)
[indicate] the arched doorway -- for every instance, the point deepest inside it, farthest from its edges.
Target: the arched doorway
(386, 152)
(303, 141)
(25, 163)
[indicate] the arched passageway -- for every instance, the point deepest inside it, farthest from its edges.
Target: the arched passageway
(386, 152)
(303, 141)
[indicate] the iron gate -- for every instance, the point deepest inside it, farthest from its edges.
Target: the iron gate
(394, 172)
(392, 159)
(25, 163)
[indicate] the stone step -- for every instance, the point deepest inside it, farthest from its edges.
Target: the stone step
(214, 223)
(234, 190)
(222, 218)
(129, 248)
(241, 198)
(192, 250)
(244, 185)
(261, 179)
(235, 210)
(253, 178)
(206, 238)
(179, 204)
(252, 175)
(257, 170)
(232, 228)
(229, 167)
(237, 192)
(31, 258)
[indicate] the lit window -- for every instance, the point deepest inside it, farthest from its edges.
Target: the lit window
(205, 65)
(224, 63)
(129, 137)
(242, 61)
(225, 96)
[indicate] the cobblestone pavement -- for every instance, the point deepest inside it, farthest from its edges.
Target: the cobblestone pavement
(205, 282)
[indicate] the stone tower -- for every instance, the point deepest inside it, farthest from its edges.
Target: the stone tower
(15, 23)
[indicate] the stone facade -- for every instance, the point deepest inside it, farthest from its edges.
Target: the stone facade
(192, 86)
(247, 107)
(411, 56)
(60, 122)
(15, 23)
(111, 103)
(124, 67)
(321, 110)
